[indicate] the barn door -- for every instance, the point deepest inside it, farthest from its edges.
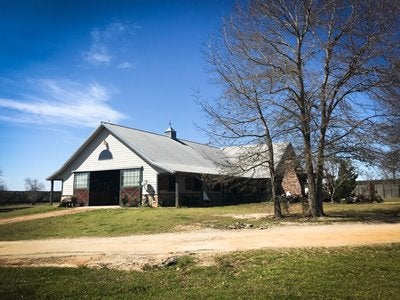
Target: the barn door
(81, 187)
(130, 193)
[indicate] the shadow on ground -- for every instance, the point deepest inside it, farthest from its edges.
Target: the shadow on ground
(384, 216)
(354, 213)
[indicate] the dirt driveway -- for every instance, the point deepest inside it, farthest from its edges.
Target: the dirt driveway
(132, 252)
(50, 214)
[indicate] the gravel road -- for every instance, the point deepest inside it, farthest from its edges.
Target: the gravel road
(133, 252)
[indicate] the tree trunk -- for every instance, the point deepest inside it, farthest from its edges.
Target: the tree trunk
(319, 178)
(319, 193)
(271, 161)
(277, 205)
(310, 177)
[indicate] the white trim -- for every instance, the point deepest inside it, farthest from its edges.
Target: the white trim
(112, 169)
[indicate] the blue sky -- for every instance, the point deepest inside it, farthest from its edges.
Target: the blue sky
(65, 66)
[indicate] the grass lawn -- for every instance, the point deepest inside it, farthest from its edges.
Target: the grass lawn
(118, 222)
(27, 209)
(335, 273)
(125, 221)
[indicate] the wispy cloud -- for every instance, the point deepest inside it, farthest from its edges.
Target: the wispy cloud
(61, 102)
(98, 57)
(108, 42)
(125, 65)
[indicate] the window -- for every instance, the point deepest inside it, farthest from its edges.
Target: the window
(131, 177)
(81, 180)
(105, 154)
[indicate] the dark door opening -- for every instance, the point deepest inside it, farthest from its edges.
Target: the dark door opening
(104, 188)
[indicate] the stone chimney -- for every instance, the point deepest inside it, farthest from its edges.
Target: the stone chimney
(170, 132)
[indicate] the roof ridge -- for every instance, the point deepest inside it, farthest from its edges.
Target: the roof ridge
(132, 128)
(159, 134)
(255, 145)
(203, 144)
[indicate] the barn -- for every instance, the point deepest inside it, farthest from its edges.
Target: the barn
(118, 165)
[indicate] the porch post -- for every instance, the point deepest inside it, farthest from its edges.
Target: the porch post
(202, 191)
(51, 191)
(177, 205)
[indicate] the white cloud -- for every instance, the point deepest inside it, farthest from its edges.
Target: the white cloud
(61, 102)
(125, 65)
(98, 57)
(106, 43)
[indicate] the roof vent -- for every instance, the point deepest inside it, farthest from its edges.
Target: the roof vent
(170, 132)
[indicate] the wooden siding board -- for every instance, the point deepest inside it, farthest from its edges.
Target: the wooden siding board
(68, 186)
(123, 158)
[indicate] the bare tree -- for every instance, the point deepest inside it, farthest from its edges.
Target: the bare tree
(242, 115)
(3, 186)
(331, 171)
(33, 186)
(390, 163)
(388, 131)
(314, 68)
(340, 179)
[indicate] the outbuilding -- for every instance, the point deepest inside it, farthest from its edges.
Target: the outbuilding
(118, 165)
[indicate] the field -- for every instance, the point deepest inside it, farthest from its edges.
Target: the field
(334, 273)
(368, 272)
(128, 221)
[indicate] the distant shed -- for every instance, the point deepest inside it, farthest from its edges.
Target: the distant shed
(383, 188)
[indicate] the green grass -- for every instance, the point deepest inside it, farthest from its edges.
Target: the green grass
(119, 222)
(27, 210)
(336, 273)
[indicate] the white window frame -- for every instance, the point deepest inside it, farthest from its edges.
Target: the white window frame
(80, 182)
(131, 177)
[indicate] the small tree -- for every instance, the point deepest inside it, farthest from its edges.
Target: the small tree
(346, 181)
(331, 174)
(33, 186)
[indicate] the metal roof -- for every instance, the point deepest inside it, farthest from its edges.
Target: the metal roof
(173, 155)
(252, 160)
(165, 153)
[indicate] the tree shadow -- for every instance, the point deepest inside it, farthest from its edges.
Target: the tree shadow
(367, 215)
(352, 213)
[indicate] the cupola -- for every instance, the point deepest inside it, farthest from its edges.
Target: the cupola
(170, 132)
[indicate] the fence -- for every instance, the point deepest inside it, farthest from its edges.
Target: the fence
(383, 188)
(24, 197)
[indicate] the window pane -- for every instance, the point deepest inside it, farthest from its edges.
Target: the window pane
(81, 180)
(131, 177)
